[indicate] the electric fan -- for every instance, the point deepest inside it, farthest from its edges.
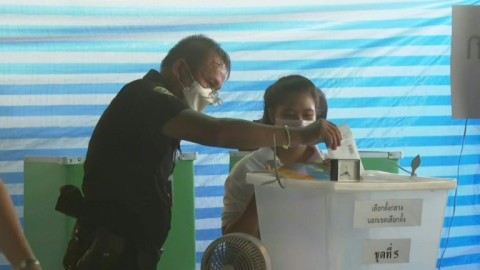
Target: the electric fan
(236, 251)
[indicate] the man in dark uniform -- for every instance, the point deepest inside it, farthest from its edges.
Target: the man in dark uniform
(125, 215)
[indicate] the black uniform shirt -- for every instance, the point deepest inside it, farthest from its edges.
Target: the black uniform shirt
(129, 159)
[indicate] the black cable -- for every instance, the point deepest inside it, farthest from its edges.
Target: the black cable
(455, 195)
(275, 165)
(277, 176)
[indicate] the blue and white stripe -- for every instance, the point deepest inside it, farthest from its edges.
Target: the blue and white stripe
(384, 66)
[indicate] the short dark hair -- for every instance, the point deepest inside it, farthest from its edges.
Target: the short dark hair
(283, 89)
(195, 50)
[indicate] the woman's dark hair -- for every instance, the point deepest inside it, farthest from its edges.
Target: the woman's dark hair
(283, 89)
(195, 50)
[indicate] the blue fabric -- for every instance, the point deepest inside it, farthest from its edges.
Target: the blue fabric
(385, 69)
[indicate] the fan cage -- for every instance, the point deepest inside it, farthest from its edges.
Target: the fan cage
(236, 251)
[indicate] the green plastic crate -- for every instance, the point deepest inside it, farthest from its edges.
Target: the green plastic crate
(381, 161)
(48, 231)
(180, 252)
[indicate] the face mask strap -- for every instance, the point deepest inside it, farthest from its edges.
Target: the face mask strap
(215, 99)
(193, 78)
(189, 72)
(180, 82)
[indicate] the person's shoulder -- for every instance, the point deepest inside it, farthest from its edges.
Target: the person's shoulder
(147, 86)
(263, 153)
(135, 87)
(138, 82)
(162, 90)
(260, 155)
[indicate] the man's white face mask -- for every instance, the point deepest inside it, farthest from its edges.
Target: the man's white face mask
(197, 97)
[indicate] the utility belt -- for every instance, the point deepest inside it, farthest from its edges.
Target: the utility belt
(90, 247)
(102, 231)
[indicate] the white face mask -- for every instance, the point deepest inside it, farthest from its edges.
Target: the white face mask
(294, 123)
(198, 97)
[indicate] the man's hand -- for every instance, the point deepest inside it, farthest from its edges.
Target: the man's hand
(321, 131)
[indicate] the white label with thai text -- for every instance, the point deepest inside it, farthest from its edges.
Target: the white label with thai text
(388, 213)
(386, 251)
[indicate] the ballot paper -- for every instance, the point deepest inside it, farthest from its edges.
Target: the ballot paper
(348, 148)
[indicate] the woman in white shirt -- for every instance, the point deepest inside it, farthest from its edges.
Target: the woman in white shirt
(293, 101)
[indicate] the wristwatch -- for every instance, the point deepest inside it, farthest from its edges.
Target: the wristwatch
(27, 263)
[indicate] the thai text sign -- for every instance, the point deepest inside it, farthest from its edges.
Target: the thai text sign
(388, 213)
(386, 251)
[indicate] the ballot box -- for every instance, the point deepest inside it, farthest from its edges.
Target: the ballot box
(387, 161)
(386, 221)
(49, 231)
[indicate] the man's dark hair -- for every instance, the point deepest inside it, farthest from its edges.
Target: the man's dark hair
(286, 87)
(195, 50)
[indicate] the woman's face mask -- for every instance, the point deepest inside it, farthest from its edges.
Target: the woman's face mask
(197, 97)
(294, 123)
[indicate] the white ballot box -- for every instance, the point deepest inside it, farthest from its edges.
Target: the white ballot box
(386, 221)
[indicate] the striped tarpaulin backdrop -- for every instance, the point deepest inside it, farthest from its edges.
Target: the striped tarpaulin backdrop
(384, 66)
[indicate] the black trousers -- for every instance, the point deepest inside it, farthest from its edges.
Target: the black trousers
(143, 226)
